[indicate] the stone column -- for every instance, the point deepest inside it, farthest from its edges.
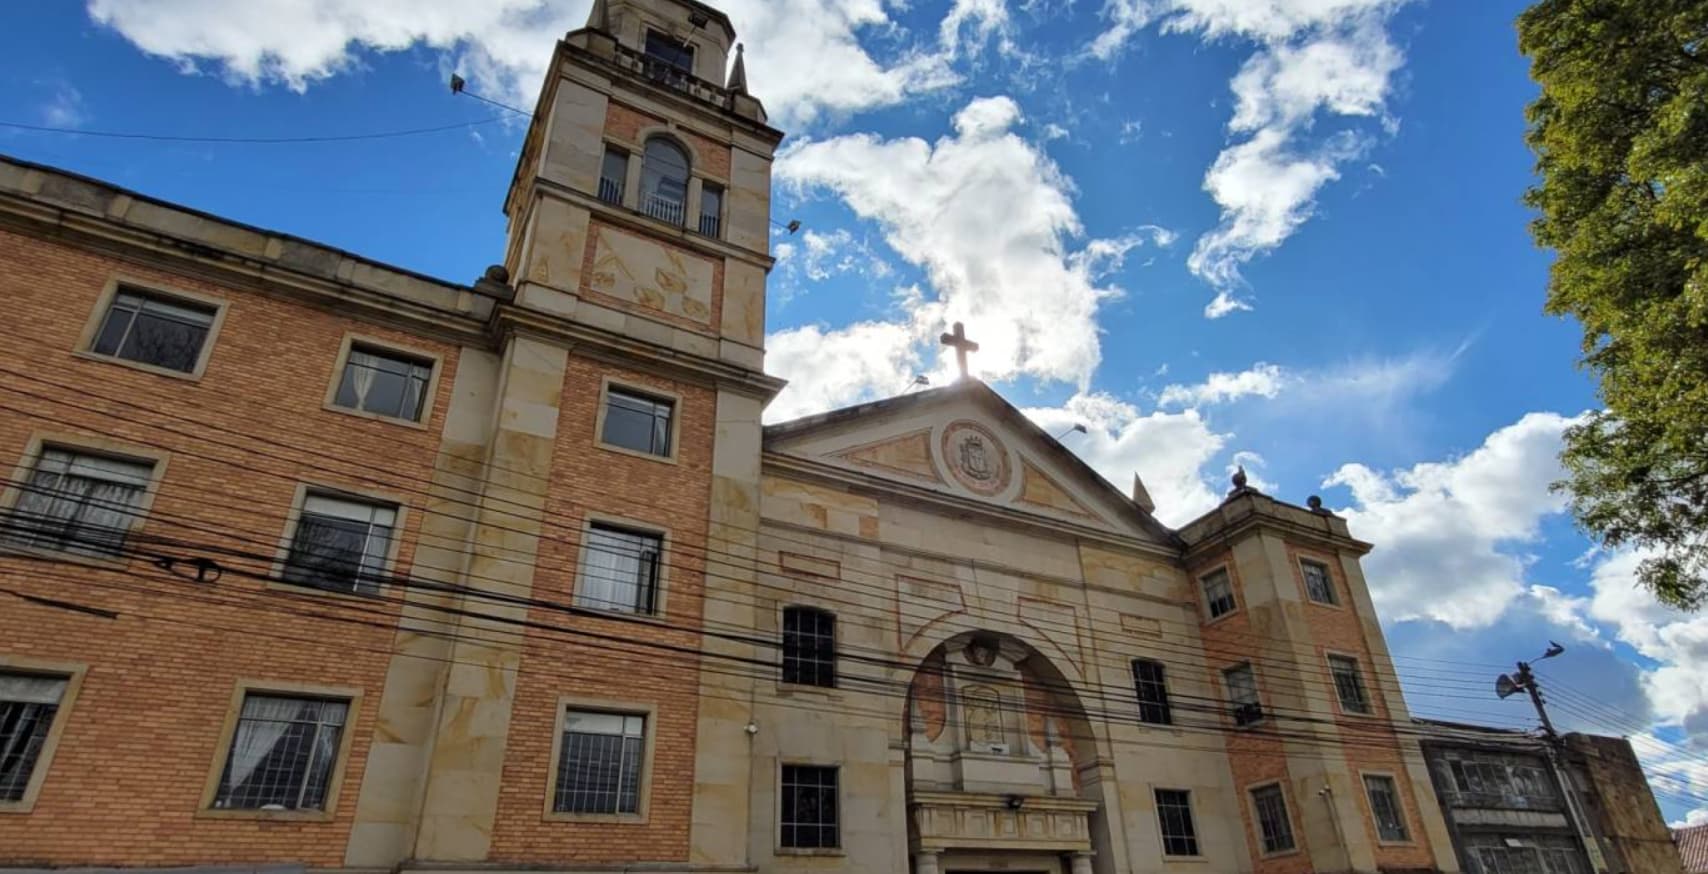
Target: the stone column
(925, 862)
(632, 181)
(691, 207)
(1079, 863)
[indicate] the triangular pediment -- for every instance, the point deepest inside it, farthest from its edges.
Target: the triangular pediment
(963, 441)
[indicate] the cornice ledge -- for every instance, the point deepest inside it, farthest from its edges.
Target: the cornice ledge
(641, 222)
(1250, 521)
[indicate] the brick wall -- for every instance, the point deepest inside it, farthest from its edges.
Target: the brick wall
(626, 124)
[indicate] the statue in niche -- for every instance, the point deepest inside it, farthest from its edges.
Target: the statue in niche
(981, 709)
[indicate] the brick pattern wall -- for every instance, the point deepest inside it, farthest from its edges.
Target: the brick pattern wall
(142, 736)
(709, 157)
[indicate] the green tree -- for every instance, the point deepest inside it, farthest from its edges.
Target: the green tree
(1620, 133)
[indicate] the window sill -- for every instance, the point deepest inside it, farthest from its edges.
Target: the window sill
(599, 818)
(1220, 619)
(266, 815)
(636, 453)
(1190, 860)
(419, 425)
(810, 851)
(1408, 842)
(805, 690)
(619, 615)
(157, 370)
(18, 807)
(1280, 854)
(317, 592)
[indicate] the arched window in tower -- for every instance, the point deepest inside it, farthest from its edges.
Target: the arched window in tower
(664, 180)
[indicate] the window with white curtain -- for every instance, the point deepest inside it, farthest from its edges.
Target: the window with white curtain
(619, 569)
(340, 543)
(384, 383)
(28, 703)
(78, 502)
(282, 753)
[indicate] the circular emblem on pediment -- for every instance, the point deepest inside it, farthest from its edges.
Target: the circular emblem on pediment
(975, 458)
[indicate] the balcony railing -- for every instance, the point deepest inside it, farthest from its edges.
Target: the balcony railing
(709, 225)
(669, 75)
(1503, 801)
(662, 208)
(611, 190)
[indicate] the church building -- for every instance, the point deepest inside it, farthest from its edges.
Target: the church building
(311, 562)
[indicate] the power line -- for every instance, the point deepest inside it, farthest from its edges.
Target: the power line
(294, 140)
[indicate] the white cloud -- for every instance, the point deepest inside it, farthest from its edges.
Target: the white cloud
(65, 108)
(804, 57)
(828, 369)
(1677, 687)
(1262, 380)
(1444, 529)
(989, 217)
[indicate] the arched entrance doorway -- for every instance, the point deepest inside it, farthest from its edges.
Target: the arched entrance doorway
(997, 739)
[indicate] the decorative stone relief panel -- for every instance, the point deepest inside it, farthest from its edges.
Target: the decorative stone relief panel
(976, 458)
(657, 277)
(908, 455)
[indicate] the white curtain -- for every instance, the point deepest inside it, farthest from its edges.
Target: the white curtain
(610, 572)
(361, 370)
(263, 722)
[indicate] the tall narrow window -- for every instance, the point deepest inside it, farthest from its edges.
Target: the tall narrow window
(1385, 808)
(599, 763)
(1319, 586)
(637, 422)
(613, 174)
(282, 753)
(809, 646)
(340, 543)
(155, 330)
(711, 208)
(810, 819)
(1218, 593)
(1241, 684)
(384, 383)
(619, 570)
(79, 503)
(1349, 684)
(1150, 683)
(1273, 825)
(664, 180)
(675, 53)
(28, 703)
(1174, 816)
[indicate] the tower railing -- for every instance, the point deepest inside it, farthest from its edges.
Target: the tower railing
(669, 75)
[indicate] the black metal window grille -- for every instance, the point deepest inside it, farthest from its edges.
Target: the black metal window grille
(78, 502)
(340, 544)
(1218, 593)
(619, 570)
(1319, 585)
(1385, 808)
(810, 807)
(1273, 824)
(637, 422)
(1349, 684)
(154, 330)
(809, 646)
(1174, 816)
(282, 753)
(28, 703)
(384, 383)
(599, 763)
(1151, 684)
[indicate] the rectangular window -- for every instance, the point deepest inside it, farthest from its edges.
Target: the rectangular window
(384, 383)
(282, 753)
(340, 543)
(1349, 684)
(675, 53)
(613, 174)
(28, 703)
(1241, 684)
(1385, 808)
(637, 422)
(809, 646)
(153, 329)
(810, 807)
(1319, 586)
(79, 503)
(1274, 826)
(599, 763)
(1218, 593)
(619, 570)
(1174, 815)
(1152, 686)
(711, 208)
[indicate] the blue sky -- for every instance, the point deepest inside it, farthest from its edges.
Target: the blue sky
(1284, 233)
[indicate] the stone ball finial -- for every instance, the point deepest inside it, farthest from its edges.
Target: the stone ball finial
(1239, 477)
(1315, 503)
(497, 273)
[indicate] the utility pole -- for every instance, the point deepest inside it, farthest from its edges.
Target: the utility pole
(1525, 679)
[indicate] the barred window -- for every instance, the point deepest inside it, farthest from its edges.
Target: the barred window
(599, 763)
(282, 753)
(810, 807)
(1319, 585)
(28, 703)
(637, 422)
(340, 543)
(153, 329)
(79, 502)
(384, 383)
(613, 175)
(809, 646)
(1218, 593)
(1174, 816)
(619, 570)
(1349, 684)
(1274, 827)
(1150, 682)
(1241, 685)
(1385, 808)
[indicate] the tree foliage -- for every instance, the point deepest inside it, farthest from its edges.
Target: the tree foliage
(1620, 133)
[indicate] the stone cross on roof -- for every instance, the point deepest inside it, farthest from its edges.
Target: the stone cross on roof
(958, 339)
